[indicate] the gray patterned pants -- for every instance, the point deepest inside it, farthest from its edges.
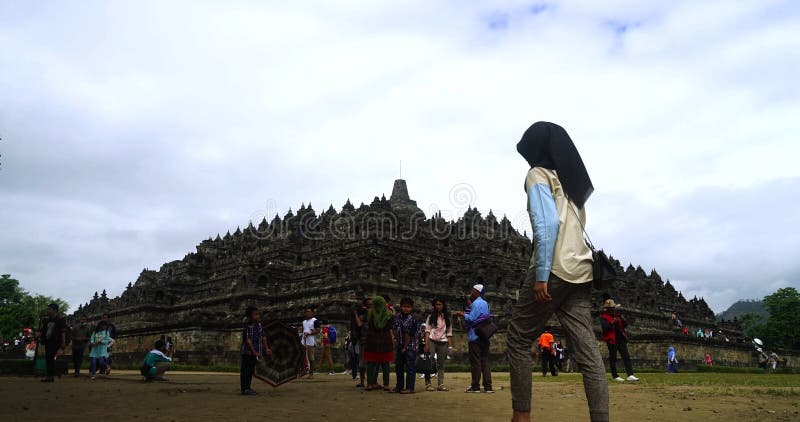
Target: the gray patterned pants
(572, 305)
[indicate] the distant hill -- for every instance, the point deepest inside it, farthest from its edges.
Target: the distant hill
(744, 307)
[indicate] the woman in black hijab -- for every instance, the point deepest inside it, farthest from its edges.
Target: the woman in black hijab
(560, 274)
(548, 145)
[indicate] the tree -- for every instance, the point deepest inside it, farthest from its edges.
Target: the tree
(752, 324)
(19, 309)
(783, 326)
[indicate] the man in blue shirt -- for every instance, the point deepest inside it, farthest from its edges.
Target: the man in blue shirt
(478, 346)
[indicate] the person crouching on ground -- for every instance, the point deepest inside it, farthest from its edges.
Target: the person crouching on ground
(406, 334)
(156, 363)
(254, 345)
(558, 280)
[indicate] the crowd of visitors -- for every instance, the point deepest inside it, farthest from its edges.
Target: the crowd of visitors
(558, 282)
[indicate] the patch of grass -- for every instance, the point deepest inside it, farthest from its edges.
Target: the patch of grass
(736, 370)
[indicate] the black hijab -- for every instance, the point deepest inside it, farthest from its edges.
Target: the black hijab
(547, 145)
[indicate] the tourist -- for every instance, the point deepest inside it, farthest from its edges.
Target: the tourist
(54, 339)
(157, 361)
(357, 328)
(478, 346)
(559, 277)
(378, 344)
(559, 356)
(311, 327)
(254, 345)
(406, 338)
(439, 335)
(763, 358)
(615, 335)
(700, 333)
(672, 361)
(80, 338)
(348, 355)
(548, 352)
(773, 360)
(30, 349)
(99, 342)
(112, 331)
(707, 360)
(326, 355)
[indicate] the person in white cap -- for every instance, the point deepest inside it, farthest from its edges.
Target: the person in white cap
(613, 325)
(478, 346)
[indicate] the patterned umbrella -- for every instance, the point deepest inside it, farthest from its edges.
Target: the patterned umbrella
(284, 364)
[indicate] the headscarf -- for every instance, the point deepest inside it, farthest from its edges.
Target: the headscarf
(379, 314)
(671, 354)
(548, 145)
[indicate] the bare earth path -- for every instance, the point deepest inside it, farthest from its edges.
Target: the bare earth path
(196, 396)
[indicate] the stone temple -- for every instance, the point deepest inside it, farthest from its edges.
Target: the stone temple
(331, 259)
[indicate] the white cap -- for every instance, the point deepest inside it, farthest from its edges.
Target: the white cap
(478, 287)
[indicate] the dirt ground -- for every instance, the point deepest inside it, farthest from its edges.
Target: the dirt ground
(199, 396)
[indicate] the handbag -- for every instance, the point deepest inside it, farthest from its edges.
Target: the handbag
(426, 364)
(486, 328)
(604, 272)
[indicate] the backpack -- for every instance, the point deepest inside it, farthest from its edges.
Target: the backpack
(331, 334)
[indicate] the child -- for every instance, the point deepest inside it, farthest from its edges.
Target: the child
(406, 326)
(254, 344)
(156, 362)
(98, 353)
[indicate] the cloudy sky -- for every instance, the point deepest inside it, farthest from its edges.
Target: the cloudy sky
(133, 130)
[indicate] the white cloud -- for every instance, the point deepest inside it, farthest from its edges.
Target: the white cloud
(147, 126)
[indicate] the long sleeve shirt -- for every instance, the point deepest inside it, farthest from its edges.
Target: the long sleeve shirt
(558, 245)
(99, 350)
(478, 311)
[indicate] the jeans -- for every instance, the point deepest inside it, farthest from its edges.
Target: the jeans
(372, 373)
(352, 352)
(622, 347)
(246, 372)
(404, 366)
(77, 359)
(572, 305)
(95, 362)
(479, 362)
(438, 348)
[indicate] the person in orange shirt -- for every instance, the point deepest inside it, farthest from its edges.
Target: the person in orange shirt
(548, 352)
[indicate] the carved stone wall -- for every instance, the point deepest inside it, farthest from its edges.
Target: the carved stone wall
(329, 261)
